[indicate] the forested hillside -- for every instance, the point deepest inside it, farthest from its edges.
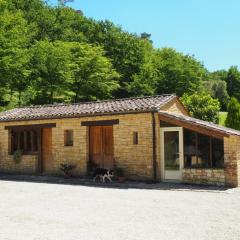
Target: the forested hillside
(56, 54)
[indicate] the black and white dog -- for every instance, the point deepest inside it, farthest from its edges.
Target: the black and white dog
(102, 174)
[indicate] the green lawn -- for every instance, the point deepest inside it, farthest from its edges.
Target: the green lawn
(222, 118)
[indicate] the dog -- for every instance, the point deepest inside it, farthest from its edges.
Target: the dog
(103, 173)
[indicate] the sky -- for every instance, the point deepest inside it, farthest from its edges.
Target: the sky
(207, 29)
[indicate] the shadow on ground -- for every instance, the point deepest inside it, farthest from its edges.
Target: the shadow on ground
(117, 185)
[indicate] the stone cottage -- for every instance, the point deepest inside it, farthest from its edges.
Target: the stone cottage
(151, 138)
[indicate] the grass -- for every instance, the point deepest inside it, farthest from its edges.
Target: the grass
(222, 118)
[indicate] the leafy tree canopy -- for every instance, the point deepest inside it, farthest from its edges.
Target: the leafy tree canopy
(93, 76)
(53, 54)
(202, 106)
(233, 82)
(233, 117)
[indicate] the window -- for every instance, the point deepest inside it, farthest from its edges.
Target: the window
(190, 149)
(202, 151)
(35, 141)
(135, 138)
(26, 140)
(217, 153)
(68, 138)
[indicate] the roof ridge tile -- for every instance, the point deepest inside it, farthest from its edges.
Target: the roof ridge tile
(94, 102)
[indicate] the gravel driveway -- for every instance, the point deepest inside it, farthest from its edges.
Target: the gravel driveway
(45, 211)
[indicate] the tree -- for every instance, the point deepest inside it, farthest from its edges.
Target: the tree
(93, 76)
(53, 53)
(69, 26)
(177, 73)
(233, 117)
(146, 36)
(202, 106)
(127, 51)
(218, 75)
(145, 82)
(218, 89)
(51, 73)
(14, 52)
(233, 82)
(64, 2)
(40, 17)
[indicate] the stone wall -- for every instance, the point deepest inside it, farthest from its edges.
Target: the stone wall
(27, 164)
(175, 106)
(232, 160)
(203, 176)
(135, 159)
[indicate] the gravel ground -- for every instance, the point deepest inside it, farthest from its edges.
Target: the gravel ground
(48, 211)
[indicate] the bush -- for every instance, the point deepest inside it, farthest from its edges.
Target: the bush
(202, 106)
(67, 168)
(17, 156)
(233, 117)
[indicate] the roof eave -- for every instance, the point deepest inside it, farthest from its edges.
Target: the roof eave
(81, 115)
(193, 126)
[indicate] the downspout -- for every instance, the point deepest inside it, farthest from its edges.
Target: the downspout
(154, 147)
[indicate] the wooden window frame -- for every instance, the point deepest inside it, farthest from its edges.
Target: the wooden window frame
(26, 133)
(66, 144)
(135, 138)
(210, 151)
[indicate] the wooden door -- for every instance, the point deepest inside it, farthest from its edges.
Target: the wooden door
(47, 163)
(107, 140)
(101, 146)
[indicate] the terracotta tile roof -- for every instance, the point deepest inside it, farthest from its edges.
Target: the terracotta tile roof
(127, 105)
(200, 123)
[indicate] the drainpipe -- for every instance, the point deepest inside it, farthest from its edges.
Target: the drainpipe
(154, 147)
